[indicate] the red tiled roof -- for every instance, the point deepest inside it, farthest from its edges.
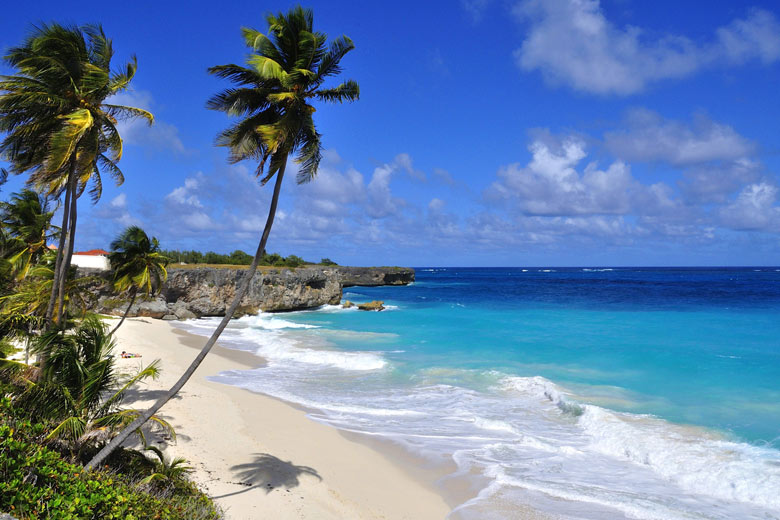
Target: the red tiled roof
(92, 252)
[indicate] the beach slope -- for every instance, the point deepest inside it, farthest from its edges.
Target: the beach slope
(262, 458)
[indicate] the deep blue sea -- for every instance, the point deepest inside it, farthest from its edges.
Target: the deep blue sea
(598, 393)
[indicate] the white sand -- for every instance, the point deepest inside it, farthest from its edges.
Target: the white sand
(261, 458)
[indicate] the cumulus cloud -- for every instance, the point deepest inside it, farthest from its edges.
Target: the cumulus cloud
(755, 208)
(186, 195)
(715, 183)
(647, 136)
(572, 42)
(551, 185)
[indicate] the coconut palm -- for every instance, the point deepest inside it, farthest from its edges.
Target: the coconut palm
(138, 265)
(59, 127)
(27, 222)
(272, 97)
(165, 469)
(80, 388)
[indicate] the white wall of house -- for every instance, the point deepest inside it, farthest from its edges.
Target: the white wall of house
(91, 261)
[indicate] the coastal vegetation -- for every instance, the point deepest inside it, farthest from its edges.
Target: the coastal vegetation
(60, 129)
(62, 406)
(138, 265)
(239, 257)
(36, 481)
(63, 401)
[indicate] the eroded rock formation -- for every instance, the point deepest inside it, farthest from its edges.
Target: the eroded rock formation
(196, 292)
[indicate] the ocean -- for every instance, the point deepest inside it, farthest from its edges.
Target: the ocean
(591, 393)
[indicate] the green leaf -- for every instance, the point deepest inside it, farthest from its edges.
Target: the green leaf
(267, 68)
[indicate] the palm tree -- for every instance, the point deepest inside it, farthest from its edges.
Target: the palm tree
(272, 95)
(137, 264)
(27, 222)
(80, 388)
(58, 126)
(165, 469)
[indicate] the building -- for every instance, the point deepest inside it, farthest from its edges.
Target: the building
(92, 259)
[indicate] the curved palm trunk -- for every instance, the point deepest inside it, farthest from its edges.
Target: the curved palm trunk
(68, 254)
(60, 250)
(133, 426)
(132, 301)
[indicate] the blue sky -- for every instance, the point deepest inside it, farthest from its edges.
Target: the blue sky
(528, 132)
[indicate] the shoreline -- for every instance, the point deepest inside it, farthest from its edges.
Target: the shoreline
(294, 468)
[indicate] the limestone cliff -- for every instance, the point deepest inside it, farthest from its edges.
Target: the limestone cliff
(196, 292)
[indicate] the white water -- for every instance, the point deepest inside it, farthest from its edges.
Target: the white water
(525, 434)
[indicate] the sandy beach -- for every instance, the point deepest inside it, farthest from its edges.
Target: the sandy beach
(261, 458)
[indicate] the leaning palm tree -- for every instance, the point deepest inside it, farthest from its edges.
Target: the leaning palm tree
(59, 128)
(272, 96)
(27, 222)
(138, 265)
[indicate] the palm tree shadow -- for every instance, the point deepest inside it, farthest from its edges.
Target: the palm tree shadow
(269, 472)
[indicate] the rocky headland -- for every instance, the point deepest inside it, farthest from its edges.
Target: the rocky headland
(204, 291)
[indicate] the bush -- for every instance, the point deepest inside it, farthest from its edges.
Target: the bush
(35, 482)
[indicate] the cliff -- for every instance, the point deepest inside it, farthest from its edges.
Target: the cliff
(372, 276)
(196, 292)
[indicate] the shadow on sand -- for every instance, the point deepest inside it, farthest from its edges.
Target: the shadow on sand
(269, 472)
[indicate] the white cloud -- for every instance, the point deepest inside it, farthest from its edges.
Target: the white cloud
(755, 208)
(571, 42)
(404, 162)
(117, 213)
(649, 137)
(381, 202)
(755, 37)
(160, 136)
(119, 202)
(714, 183)
(186, 195)
(551, 185)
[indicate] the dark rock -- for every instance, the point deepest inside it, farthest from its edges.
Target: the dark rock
(150, 309)
(181, 311)
(375, 305)
(372, 276)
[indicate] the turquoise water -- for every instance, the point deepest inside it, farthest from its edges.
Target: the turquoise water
(642, 393)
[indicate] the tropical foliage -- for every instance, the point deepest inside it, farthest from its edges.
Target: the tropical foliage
(138, 265)
(271, 97)
(80, 389)
(26, 222)
(166, 471)
(60, 129)
(36, 482)
(237, 257)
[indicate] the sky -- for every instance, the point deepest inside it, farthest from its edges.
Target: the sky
(488, 133)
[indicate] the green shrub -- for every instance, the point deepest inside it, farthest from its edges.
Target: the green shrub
(35, 482)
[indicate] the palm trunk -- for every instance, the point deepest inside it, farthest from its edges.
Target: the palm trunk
(68, 253)
(60, 250)
(132, 301)
(133, 426)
